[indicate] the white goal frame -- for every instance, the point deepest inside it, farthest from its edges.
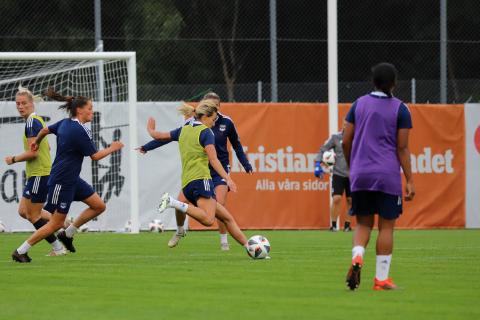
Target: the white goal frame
(130, 58)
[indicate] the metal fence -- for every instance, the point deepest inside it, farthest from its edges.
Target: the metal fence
(186, 47)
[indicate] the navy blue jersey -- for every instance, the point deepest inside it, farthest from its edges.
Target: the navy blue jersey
(74, 142)
(32, 127)
(223, 129)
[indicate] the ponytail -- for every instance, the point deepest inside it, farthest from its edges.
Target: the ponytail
(71, 103)
(186, 110)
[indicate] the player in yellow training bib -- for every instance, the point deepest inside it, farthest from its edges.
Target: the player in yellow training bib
(197, 149)
(38, 166)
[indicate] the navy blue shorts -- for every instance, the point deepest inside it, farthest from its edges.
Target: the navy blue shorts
(340, 185)
(36, 189)
(388, 206)
(199, 188)
(217, 179)
(60, 197)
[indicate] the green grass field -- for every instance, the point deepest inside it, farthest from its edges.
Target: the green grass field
(120, 276)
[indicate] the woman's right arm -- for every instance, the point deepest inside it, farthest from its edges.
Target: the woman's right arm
(158, 135)
(347, 141)
(42, 134)
(404, 156)
(217, 166)
(114, 146)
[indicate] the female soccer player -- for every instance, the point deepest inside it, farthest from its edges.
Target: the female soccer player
(375, 144)
(37, 168)
(223, 129)
(197, 150)
(74, 142)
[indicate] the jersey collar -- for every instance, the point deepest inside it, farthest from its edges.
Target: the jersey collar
(378, 93)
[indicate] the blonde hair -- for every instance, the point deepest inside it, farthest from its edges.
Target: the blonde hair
(186, 110)
(204, 108)
(22, 91)
(211, 95)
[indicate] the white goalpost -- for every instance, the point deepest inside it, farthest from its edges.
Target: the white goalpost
(109, 78)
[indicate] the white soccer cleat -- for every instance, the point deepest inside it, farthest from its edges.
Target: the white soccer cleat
(224, 246)
(57, 253)
(176, 238)
(164, 202)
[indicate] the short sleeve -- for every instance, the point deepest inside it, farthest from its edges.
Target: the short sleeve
(33, 127)
(175, 134)
(404, 120)
(86, 146)
(207, 137)
(54, 127)
(351, 113)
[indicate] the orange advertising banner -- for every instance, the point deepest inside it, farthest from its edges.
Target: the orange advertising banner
(281, 141)
(437, 144)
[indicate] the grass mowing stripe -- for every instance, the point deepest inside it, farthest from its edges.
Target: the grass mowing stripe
(114, 276)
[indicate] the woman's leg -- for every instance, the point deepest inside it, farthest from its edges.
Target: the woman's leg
(363, 230)
(221, 192)
(179, 215)
(180, 218)
(335, 211)
(384, 251)
(204, 212)
(232, 227)
(360, 242)
(95, 207)
(347, 216)
(35, 215)
(56, 222)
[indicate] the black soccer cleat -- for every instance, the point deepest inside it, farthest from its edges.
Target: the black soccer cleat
(66, 241)
(22, 258)
(353, 275)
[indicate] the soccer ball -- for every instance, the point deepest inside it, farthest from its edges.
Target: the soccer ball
(3, 228)
(83, 228)
(128, 226)
(258, 247)
(156, 226)
(329, 158)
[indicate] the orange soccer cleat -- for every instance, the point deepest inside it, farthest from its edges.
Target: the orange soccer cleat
(353, 275)
(386, 284)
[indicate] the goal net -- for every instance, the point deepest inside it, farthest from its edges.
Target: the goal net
(109, 78)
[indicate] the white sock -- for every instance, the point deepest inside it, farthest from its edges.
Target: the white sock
(223, 238)
(179, 205)
(383, 267)
(24, 248)
(71, 230)
(180, 229)
(358, 251)
(57, 246)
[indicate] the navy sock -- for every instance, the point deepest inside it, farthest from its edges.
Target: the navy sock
(40, 223)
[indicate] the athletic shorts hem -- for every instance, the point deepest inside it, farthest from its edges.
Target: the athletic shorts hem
(365, 203)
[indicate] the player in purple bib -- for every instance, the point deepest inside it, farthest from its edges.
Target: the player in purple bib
(375, 144)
